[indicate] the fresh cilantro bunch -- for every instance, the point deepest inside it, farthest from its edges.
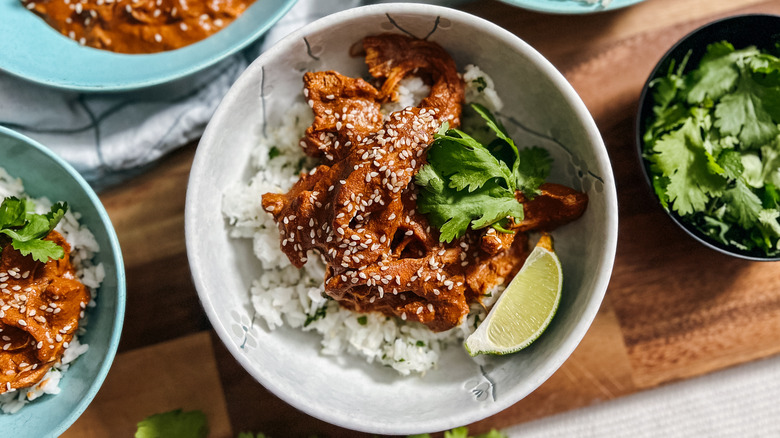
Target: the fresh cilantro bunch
(713, 145)
(25, 229)
(466, 183)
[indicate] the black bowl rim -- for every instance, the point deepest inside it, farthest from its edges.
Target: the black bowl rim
(641, 116)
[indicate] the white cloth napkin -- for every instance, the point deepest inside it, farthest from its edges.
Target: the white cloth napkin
(110, 137)
(736, 402)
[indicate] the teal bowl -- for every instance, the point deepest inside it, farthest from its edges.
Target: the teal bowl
(33, 50)
(570, 6)
(45, 174)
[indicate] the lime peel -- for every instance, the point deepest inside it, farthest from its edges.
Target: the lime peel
(525, 308)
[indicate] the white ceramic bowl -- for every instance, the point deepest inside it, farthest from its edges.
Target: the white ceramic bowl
(544, 110)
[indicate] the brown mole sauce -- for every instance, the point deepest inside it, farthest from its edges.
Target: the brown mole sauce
(137, 26)
(40, 308)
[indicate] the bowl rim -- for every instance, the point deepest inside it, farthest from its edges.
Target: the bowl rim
(179, 73)
(571, 7)
(119, 313)
(568, 344)
(643, 115)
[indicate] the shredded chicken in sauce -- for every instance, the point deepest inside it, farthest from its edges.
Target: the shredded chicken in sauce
(40, 308)
(357, 209)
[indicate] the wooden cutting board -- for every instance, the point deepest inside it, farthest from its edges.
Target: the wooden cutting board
(673, 310)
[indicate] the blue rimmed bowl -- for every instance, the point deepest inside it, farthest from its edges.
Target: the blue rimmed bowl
(33, 50)
(571, 6)
(44, 174)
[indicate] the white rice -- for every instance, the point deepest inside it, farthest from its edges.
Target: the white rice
(83, 248)
(285, 295)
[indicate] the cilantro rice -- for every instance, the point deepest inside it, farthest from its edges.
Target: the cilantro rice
(83, 248)
(285, 295)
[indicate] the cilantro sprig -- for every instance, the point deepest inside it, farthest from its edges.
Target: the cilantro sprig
(174, 424)
(468, 184)
(25, 229)
(713, 145)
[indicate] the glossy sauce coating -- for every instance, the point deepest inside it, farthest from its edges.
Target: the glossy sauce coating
(40, 308)
(138, 26)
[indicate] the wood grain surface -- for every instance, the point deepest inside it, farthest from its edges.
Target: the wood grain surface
(673, 310)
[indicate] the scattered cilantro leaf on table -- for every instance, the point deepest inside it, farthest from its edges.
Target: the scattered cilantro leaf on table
(174, 424)
(463, 432)
(26, 229)
(713, 145)
(467, 184)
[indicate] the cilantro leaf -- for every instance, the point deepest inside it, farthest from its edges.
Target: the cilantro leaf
(493, 123)
(768, 223)
(466, 163)
(12, 212)
(56, 213)
(770, 160)
(743, 204)
(680, 156)
(463, 432)
(453, 211)
(665, 88)
(743, 115)
(718, 72)
(770, 197)
(731, 164)
(533, 169)
(27, 230)
(39, 250)
(174, 424)
(458, 432)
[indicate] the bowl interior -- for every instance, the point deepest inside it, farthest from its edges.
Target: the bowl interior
(570, 6)
(759, 30)
(541, 109)
(45, 175)
(35, 51)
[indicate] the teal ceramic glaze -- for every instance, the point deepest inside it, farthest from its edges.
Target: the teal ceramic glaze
(33, 50)
(45, 174)
(569, 6)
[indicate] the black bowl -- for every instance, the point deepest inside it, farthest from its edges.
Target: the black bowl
(760, 30)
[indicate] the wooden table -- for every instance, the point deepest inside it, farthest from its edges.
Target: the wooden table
(673, 309)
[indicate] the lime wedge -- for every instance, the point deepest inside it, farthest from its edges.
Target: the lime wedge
(526, 307)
